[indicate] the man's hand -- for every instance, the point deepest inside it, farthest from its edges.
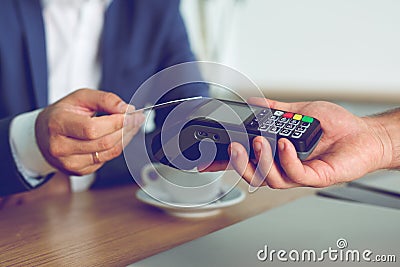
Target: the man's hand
(350, 147)
(69, 135)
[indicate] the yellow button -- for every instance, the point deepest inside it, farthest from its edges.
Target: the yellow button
(297, 117)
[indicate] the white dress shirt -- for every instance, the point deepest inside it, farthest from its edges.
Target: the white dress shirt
(73, 31)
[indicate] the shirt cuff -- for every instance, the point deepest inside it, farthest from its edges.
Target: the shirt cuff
(27, 156)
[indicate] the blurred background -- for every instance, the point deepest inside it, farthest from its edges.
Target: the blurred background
(345, 51)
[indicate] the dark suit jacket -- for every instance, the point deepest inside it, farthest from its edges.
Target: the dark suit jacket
(140, 37)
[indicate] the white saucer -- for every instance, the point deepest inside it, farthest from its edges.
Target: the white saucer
(235, 196)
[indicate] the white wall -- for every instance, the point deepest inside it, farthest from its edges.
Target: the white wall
(315, 48)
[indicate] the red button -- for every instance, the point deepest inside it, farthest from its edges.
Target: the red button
(288, 115)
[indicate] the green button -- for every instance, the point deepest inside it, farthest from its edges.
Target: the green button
(307, 119)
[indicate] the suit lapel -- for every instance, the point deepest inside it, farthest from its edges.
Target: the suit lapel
(32, 22)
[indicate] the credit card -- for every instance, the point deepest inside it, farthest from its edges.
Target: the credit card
(164, 104)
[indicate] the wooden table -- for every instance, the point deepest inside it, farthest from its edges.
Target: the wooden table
(111, 227)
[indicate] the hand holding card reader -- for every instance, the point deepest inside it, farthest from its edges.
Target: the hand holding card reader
(217, 123)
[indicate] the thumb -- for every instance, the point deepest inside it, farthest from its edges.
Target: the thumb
(97, 100)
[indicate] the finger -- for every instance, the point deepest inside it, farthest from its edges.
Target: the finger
(110, 154)
(78, 162)
(264, 160)
(269, 168)
(97, 100)
(128, 135)
(62, 146)
(240, 162)
(295, 170)
(87, 128)
(132, 125)
(133, 121)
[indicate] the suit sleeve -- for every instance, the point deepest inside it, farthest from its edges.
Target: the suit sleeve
(11, 181)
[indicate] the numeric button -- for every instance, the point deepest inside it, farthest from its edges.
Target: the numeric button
(268, 122)
(273, 117)
(290, 126)
(301, 129)
(285, 132)
(279, 124)
(284, 120)
(305, 124)
(274, 129)
(297, 135)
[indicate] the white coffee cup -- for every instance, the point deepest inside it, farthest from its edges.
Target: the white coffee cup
(181, 188)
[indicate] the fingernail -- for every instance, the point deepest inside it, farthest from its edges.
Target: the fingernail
(281, 145)
(233, 153)
(122, 106)
(130, 109)
(257, 147)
